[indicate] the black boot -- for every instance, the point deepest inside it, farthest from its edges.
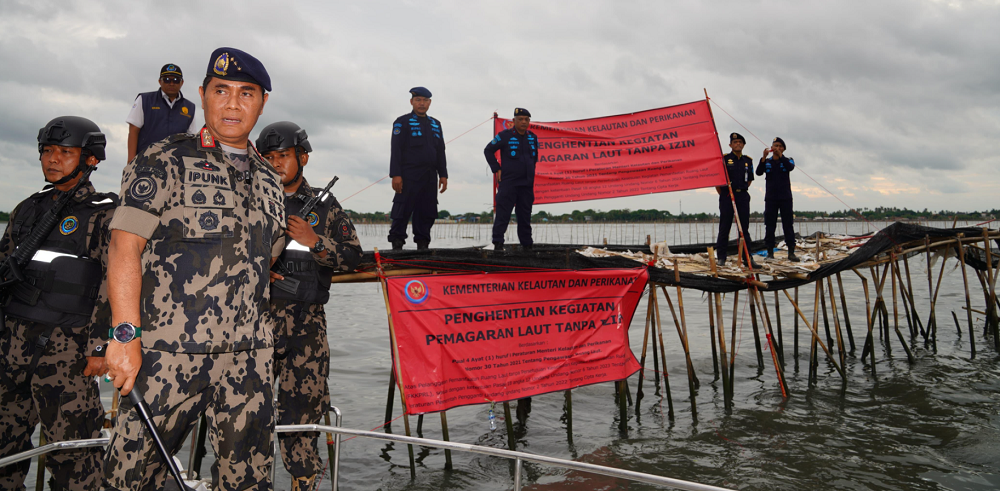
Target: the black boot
(423, 246)
(528, 247)
(498, 247)
(397, 245)
(792, 257)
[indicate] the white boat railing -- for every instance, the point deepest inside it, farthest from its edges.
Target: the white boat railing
(518, 457)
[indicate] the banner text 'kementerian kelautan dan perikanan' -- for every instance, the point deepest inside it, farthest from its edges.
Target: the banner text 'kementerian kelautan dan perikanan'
(479, 338)
(668, 149)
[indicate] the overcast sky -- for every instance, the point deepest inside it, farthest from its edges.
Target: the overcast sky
(888, 103)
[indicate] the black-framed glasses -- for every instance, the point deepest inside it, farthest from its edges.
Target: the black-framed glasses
(171, 80)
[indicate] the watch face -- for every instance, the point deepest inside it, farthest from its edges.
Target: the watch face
(124, 332)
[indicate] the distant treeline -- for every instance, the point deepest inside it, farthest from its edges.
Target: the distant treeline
(626, 215)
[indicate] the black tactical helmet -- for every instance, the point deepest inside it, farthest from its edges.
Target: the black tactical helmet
(73, 131)
(282, 135)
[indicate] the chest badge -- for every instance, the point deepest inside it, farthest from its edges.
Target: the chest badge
(313, 219)
(209, 221)
(198, 198)
(219, 199)
(69, 225)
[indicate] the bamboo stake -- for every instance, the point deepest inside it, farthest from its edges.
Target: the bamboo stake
(622, 407)
(968, 300)
(711, 335)
(756, 335)
(895, 314)
(847, 318)
(727, 397)
(645, 342)
(732, 343)
(781, 342)
(758, 298)
(815, 335)
(444, 434)
(870, 339)
(937, 289)
(795, 329)
(836, 322)
(663, 355)
(682, 334)
(398, 365)
(813, 357)
(909, 288)
(509, 423)
(569, 415)
(991, 307)
(931, 321)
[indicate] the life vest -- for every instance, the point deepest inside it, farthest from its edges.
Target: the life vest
(297, 261)
(61, 280)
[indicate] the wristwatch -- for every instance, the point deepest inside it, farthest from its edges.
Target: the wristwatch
(318, 248)
(125, 332)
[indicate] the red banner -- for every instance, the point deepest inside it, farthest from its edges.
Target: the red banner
(476, 338)
(655, 151)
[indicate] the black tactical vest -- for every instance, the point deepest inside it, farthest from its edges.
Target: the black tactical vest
(61, 281)
(314, 280)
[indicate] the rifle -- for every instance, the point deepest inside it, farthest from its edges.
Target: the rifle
(10, 270)
(291, 285)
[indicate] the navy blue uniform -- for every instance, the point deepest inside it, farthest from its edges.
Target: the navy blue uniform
(518, 155)
(418, 157)
(740, 170)
(778, 199)
(160, 120)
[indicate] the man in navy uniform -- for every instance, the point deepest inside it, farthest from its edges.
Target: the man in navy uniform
(418, 167)
(740, 170)
(518, 153)
(778, 196)
(158, 114)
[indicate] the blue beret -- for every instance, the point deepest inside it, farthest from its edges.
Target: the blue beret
(234, 64)
(520, 111)
(420, 92)
(779, 140)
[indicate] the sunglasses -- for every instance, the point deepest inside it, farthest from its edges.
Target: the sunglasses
(171, 80)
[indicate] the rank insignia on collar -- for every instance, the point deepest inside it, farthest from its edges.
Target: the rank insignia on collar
(206, 139)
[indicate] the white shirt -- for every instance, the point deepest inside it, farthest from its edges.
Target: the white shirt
(136, 118)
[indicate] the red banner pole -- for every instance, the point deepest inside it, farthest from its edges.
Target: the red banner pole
(397, 365)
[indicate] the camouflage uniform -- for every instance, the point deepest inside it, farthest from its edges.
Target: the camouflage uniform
(302, 352)
(66, 402)
(214, 220)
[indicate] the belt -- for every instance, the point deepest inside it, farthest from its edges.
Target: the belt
(737, 190)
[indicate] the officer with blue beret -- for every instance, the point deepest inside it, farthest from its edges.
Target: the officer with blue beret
(201, 221)
(739, 168)
(518, 149)
(418, 168)
(778, 196)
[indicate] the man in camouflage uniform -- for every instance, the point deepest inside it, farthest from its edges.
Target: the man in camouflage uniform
(200, 224)
(57, 319)
(319, 245)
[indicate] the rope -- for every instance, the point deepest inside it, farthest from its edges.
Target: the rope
(384, 177)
